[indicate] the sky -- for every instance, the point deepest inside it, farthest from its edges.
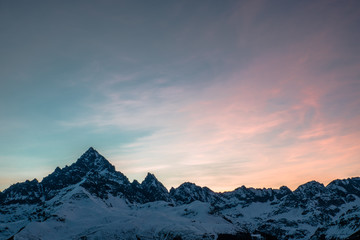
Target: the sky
(219, 93)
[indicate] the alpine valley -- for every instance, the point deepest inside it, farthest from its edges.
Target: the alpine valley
(91, 200)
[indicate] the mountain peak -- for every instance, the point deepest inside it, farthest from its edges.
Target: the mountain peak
(150, 176)
(150, 179)
(91, 151)
(90, 162)
(153, 189)
(91, 159)
(310, 189)
(311, 185)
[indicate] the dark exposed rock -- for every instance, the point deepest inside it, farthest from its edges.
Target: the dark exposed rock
(153, 190)
(189, 192)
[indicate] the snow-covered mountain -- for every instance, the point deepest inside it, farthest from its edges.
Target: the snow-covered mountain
(91, 200)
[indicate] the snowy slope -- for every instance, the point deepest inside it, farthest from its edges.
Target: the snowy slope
(91, 200)
(81, 214)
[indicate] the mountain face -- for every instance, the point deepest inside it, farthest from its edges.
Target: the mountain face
(91, 200)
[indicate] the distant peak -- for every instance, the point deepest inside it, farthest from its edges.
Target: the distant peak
(310, 189)
(312, 183)
(188, 185)
(150, 175)
(150, 178)
(285, 189)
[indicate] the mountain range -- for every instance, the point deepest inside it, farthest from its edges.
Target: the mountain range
(91, 200)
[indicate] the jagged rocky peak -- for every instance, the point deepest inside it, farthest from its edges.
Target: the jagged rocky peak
(310, 189)
(90, 162)
(310, 185)
(150, 179)
(253, 194)
(153, 189)
(189, 192)
(345, 182)
(187, 187)
(91, 159)
(152, 182)
(345, 186)
(282, 192)
(135, 184)
(285, 190)
(25, 192)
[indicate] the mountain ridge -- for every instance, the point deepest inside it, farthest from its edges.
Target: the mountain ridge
(312, 210)
(91, 152)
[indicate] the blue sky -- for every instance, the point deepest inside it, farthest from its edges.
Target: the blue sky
(222, 94)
